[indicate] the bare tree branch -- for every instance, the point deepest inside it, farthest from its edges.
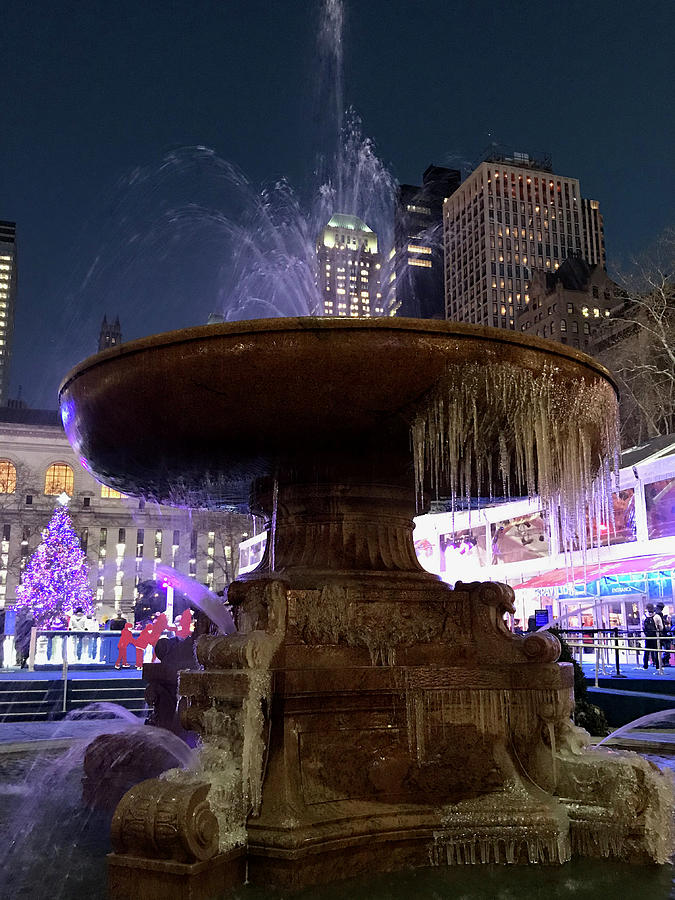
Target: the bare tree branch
(643, 356)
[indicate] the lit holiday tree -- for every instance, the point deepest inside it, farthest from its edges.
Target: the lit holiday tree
(55, 581)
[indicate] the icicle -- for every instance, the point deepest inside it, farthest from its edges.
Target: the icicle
(546, 435)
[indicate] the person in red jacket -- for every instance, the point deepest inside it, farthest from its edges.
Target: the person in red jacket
(126, 638)
(183, 624)
(149, 637)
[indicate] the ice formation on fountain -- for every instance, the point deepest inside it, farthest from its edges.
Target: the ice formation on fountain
(491, 427)
(361, 702)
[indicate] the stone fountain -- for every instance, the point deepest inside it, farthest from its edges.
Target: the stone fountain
(364, 716)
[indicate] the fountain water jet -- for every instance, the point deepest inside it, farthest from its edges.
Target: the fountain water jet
(199, 596)
(363, 716)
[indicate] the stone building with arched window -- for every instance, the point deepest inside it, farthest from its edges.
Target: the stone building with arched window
(124, 538)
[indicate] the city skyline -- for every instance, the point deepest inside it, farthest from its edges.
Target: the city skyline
(82, 135)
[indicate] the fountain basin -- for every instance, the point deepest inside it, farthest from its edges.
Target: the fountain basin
(196, 415)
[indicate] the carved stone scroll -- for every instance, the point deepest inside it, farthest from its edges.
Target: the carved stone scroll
(165, 820)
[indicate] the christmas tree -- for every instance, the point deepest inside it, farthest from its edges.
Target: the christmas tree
(55, 582)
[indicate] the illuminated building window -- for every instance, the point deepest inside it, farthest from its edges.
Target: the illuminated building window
(424, 263)
(414, 248)
(59, 479)
(108, 493)
(7, 477)
(423, 210)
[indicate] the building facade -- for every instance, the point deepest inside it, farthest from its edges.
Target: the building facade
(593, 249)
(124, 538)
(110, 334)
(8, 290)
(574, 305)
(418, 243)
(510, 217)
(349, 269)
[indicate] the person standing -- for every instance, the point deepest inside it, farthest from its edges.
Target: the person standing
(78, 622)
(22, 631)
(91, 643)
(126, 638)
(149, 637)
(652, 627)
(666, 643)
(117, 622)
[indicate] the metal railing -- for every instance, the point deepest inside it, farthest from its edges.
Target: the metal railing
(613, 648)
(54, 647)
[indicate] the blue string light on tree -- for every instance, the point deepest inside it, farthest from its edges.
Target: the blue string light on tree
(56, 581)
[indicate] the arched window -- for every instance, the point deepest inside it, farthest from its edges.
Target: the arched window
(7, 477)
(59, 479)
(108, 493)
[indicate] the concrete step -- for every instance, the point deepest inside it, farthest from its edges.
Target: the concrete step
(27, 701)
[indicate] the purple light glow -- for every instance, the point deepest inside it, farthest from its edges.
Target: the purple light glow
(56, 581)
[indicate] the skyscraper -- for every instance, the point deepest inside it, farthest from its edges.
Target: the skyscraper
(418, 243)
(111, 333)
(8, 288)
(349, 268)
(511, 216)
(593, 249)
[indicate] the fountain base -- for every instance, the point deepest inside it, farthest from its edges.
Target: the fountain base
(329, 757)
(156, 879)
(332, 758)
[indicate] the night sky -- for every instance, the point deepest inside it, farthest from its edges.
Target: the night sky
(96, 94)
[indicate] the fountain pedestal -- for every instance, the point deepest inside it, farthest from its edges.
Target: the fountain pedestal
(366, 766)
(380, 715)
(364, 716)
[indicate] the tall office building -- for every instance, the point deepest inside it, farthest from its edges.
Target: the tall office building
(512, 215)
(8, 287)
(418, 243)
(349, 268)
(111, 333)
(593, 249)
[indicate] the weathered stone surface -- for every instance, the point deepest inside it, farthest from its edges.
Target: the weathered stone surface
(133, 877)
(113, 763)
(164, 820)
